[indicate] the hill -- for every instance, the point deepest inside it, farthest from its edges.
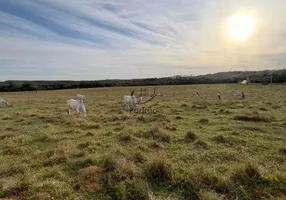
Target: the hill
(278, 76)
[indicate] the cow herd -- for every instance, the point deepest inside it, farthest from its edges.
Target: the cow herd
(130, 101)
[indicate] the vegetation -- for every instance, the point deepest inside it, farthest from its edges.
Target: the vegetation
(264, 77)
(190, 148)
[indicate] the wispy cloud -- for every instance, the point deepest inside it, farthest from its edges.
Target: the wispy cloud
(99, 39)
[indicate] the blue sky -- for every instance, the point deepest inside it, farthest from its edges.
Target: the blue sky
(106, 39)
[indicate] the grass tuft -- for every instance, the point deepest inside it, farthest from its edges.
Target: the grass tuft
(20, 188)
(157, 133)
(190, 136)
(204, 121)
(201, 144)
(179, 117)
(125, 137)
(157, 170)
(55, 161)
(282, 151)
(253, 117)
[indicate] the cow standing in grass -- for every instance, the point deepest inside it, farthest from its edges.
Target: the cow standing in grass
(3, 103)
(78, 105)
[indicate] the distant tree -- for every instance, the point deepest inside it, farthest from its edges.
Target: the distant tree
(29, 86)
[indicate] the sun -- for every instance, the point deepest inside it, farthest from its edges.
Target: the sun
(240, 26)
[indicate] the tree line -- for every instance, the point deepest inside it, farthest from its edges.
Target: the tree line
(277, 76)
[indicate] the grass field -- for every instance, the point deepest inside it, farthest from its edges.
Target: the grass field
(188, 149)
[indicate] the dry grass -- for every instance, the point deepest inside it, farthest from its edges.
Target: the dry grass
(188, 149)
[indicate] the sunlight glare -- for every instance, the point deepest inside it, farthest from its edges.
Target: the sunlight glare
(240, 26)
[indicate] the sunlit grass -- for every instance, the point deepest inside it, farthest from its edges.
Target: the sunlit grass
(189, 148)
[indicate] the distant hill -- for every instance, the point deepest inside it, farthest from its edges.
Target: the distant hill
(278, 76)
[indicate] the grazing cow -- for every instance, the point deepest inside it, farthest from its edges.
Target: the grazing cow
(78, 105)
(131, 100)
(3, 103)
(81, 97)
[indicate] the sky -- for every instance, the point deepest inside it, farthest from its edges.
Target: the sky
(123, 39)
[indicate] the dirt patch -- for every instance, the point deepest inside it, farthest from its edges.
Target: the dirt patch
(92, 170)
(90, 179)
(91, 185)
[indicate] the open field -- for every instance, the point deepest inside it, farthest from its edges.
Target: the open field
(188, 149)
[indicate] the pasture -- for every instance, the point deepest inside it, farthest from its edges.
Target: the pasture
(188, 149)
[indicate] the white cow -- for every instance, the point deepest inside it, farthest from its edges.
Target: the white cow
(132, 100)
(81, 97)
(78, 105)
(3, 103)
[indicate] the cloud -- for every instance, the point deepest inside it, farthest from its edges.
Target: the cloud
(86, 40)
